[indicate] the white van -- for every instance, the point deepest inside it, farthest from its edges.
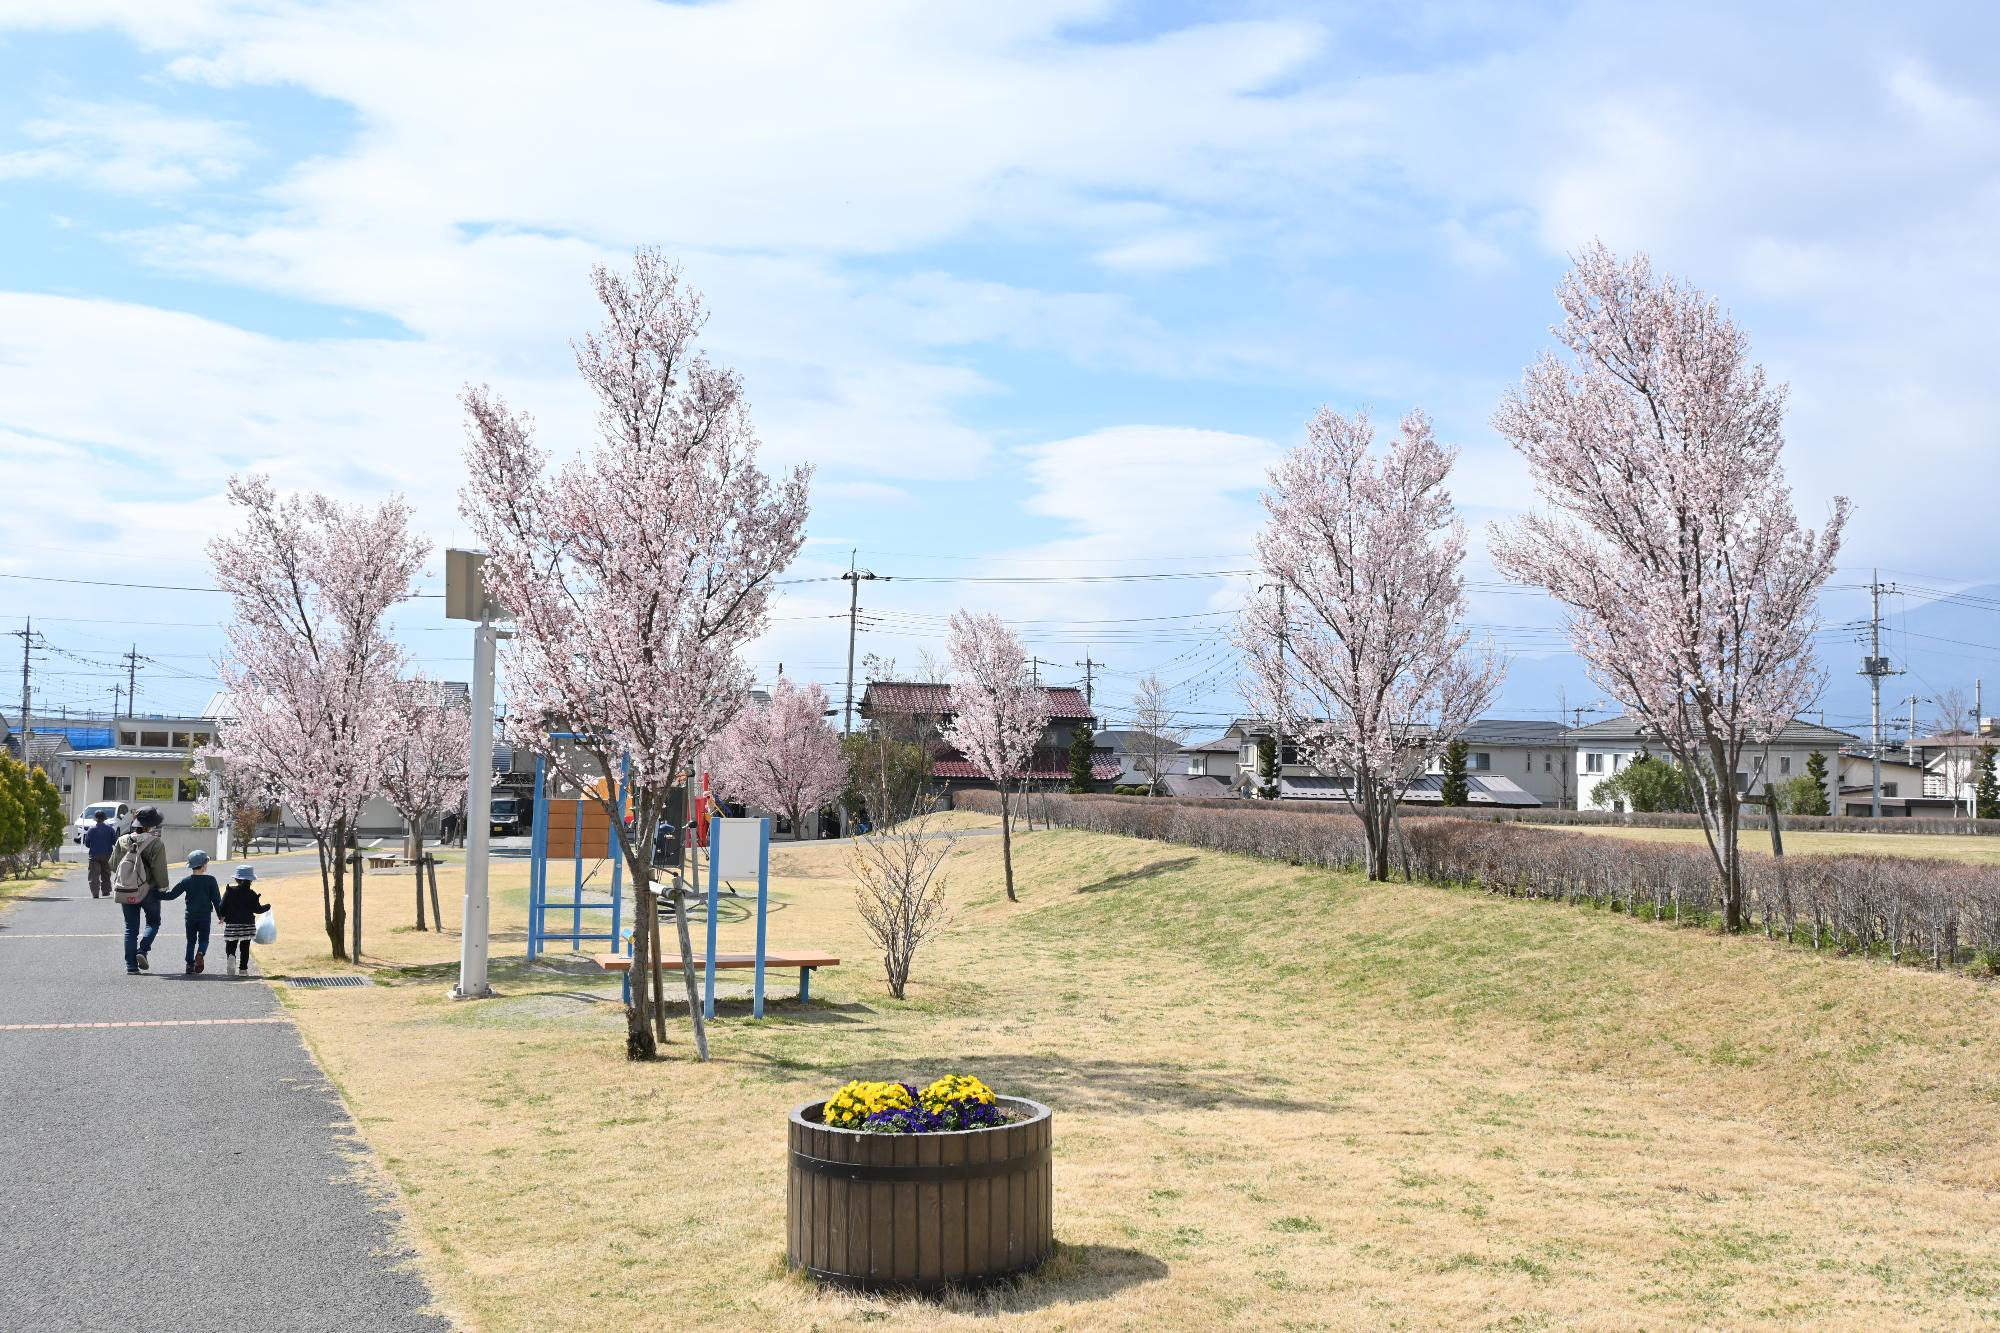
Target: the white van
(116, 812)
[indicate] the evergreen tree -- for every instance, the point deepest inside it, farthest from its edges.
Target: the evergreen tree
(1457, 790)
(1081, 744)
(1986, 796)
(1267, 767)
(1816, 770)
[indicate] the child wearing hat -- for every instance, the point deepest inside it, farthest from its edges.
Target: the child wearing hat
(240, 908)
(204, 899)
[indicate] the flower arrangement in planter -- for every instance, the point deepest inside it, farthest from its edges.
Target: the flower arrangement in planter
(903, 1186)
(951, 1103)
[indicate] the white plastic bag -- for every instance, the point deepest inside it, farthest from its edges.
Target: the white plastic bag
(267, 928)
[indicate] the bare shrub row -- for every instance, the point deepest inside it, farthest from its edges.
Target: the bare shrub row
(1929, 912)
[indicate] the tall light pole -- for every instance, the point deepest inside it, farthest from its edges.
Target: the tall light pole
(465, 599)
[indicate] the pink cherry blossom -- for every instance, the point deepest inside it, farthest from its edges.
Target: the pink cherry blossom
(636, 571)
(781, 756)
(1000, 712)
(1363, 656)
(310, 668)
(429, 734)
(1669, 532)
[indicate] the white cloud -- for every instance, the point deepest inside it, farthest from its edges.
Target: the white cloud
(127, 148)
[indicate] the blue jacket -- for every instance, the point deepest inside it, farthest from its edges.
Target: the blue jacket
(204, 896)
(101, 838)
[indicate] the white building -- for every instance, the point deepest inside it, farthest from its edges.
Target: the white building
(1605, 748)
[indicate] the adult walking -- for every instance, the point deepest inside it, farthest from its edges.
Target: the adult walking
(100, 839)
(138, 876)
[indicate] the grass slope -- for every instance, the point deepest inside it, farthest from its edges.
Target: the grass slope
(1285, 1100)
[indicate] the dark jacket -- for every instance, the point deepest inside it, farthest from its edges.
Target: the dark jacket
(101, 838)
(204, 896)
(240, 904)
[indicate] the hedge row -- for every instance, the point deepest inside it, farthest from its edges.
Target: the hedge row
(1936, 913)
(1752, 818)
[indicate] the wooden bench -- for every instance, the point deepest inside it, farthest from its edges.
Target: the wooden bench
(804, 962)
(387, 861)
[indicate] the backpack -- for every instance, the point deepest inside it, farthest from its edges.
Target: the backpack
(129, 880)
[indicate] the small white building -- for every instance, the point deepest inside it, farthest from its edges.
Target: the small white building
(1605, 748)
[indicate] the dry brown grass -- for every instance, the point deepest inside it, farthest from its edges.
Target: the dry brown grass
(1798, 842)
(1284, 1100)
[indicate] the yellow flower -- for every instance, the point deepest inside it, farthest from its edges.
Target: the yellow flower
(855, 1102)
(955, 1088)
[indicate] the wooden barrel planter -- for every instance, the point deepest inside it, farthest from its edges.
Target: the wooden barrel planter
(919, 1212)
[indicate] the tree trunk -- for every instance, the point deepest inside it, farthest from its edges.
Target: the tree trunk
(420, 894)
(639, 1042)
(336, 915)
(1732, 861)
(1007, 843)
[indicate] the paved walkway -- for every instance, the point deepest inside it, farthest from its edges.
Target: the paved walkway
(170, 1155)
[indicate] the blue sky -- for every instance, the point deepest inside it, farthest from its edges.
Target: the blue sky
(1041, 288)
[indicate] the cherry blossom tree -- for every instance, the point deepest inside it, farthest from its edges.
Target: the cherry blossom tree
(311, 669)
(634, 574)
(1669, 532)
(429, 733)
(998, 712)
(1357, 645)
(781, 756)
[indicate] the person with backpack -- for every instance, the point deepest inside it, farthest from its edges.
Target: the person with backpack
(240, 909)
(100, 839)
(138, 875)
(204, 899)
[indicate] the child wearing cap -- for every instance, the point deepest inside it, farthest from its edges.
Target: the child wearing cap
(240, 907)
(204, 899)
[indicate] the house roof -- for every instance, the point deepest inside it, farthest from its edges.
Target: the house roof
(131, 753)
(1221, 744)
(1065, 702)
(1501, 731)
(1182, 784)
(1627, 728)
(1483, 789)
(1125, 741)
(1047, 766)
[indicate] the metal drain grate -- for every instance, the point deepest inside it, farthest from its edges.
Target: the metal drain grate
(320, 983)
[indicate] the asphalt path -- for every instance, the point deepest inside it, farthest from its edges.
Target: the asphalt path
(187, 1166)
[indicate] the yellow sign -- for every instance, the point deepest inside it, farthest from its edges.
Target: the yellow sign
(152, 789)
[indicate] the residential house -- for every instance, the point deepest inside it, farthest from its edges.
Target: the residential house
(925, 708)
(1533, 756)
(1605, 748)
(1902, 784)
(1135, 753)
(1486, 790)
(1951, 764)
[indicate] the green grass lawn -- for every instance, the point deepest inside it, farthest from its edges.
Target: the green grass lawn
(1284, 1099)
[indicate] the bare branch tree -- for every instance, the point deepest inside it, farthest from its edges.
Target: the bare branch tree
(901, 892)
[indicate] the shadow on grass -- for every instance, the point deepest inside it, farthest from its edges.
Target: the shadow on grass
(1073, 1275)
(1151, 870)
(1110, 1087)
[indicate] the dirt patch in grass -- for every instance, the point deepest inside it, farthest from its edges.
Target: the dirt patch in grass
(1284, 1100)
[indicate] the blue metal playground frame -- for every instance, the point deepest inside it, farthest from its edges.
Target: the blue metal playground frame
(539, 906)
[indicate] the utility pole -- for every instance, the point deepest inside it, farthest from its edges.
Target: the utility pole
(1875, 666)
(27, 637)
(132, 660)
(117, 701)
(1278, 718)
(854, 579)
(1089, 692)
(1035, 665)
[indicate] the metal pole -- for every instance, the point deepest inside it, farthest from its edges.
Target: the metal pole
(131, 679)
(27, 648)
(1875, 693)
(473, 927)
(763, 910)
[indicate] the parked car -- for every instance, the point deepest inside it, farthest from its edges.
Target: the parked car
(118, 812)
